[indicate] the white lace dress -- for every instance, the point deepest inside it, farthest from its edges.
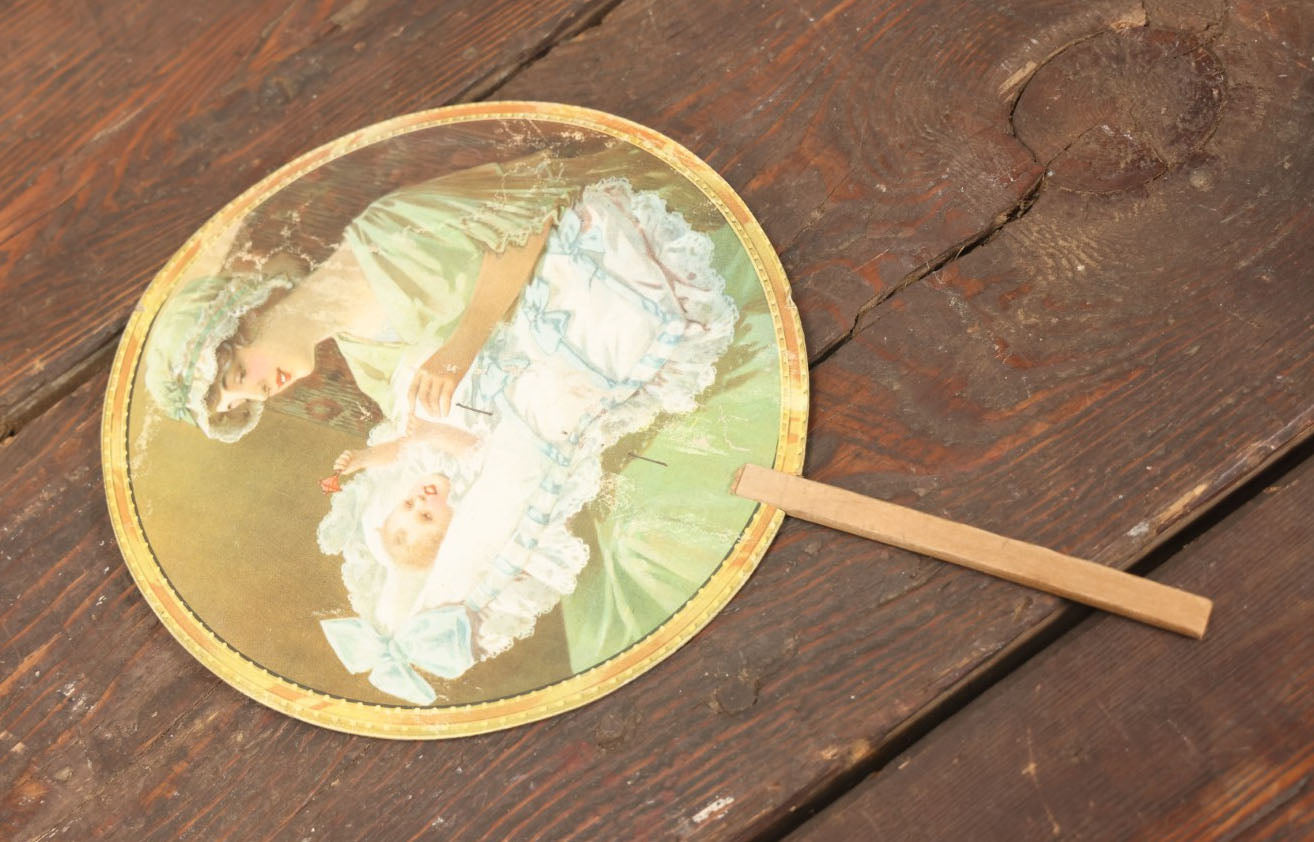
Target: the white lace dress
(624, 319)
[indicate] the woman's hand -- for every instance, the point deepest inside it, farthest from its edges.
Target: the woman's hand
(435, 383)
(501, 278)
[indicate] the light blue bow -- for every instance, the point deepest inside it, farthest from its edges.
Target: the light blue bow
(547, 326)
(437, 640)
(583, 248)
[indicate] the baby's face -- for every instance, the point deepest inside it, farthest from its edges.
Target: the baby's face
(414, 530)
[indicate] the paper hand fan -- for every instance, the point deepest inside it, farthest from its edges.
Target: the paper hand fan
(434, 430)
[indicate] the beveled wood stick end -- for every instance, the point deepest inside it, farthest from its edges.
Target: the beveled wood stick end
(734, 480)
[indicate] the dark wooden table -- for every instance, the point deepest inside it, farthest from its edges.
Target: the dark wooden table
(1054, 262)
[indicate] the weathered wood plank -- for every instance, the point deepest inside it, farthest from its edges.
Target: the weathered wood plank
(1113, 733)
(870, 138)
(1014, 391)
(125, 125)
(857, 183)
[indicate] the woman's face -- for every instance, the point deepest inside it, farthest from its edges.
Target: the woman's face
(258, 371)
(414, 530)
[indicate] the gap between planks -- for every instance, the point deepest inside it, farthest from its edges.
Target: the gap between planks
(52, 391)
(920, 723)
(486, 87)
(493, 81)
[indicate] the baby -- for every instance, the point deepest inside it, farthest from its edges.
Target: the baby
(399, 505)
(414, 529)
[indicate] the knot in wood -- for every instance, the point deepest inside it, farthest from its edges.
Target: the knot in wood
(1120, 108)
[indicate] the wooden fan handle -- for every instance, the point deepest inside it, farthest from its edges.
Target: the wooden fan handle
(1017, 561)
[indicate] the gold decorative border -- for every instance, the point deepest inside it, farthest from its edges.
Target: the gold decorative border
(462, 720)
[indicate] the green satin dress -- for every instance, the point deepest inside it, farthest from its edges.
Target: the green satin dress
(657, 533)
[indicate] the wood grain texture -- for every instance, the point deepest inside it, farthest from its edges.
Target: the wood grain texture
(871, 138)
(124, 125)
(1113, 733)
(194, 103)
(1090, 379)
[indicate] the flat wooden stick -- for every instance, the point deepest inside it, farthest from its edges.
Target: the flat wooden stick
(1017, 561)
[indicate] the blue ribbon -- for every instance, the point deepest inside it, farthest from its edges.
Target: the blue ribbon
(569, 237)
(583, 248)
(547, 326)
(437, 640)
